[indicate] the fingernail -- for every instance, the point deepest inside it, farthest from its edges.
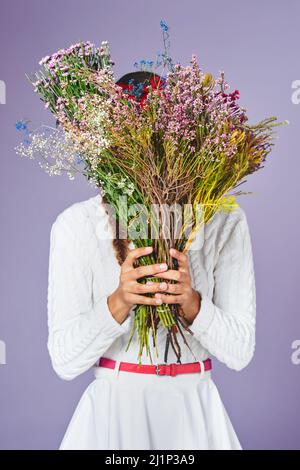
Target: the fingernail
(163, 266)
(149, 283)
(148, 249)
(163, 285)
(158, 301)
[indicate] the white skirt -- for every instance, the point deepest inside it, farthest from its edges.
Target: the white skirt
(123, 410)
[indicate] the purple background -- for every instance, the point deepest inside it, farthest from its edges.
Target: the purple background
(256, 43)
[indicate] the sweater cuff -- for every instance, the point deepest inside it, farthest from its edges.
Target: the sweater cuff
(204, 317)
(108, 324)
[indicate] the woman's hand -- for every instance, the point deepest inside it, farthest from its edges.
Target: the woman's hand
(131, 292)
(181, 292)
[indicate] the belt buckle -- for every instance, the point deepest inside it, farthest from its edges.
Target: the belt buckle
(171, 367)
(157, 370)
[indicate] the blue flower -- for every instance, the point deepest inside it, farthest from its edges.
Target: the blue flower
(164, 26)
(21, 126)
(137, 90)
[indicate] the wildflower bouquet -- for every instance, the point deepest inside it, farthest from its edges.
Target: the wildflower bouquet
(179, 141)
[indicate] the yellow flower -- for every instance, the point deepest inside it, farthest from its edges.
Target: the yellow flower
(208, 80)
(228, 203)
(237, 137)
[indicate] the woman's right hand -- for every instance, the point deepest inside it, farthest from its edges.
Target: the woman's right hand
(131, 292)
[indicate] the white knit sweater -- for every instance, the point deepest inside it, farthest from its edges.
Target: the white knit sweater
(83, 272)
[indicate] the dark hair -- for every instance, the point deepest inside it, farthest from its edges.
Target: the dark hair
(141, 76)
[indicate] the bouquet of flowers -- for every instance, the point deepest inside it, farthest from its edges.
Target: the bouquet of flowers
(178, 140)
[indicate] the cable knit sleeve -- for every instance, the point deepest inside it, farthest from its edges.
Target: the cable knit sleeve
(80, 331)
(225, 324)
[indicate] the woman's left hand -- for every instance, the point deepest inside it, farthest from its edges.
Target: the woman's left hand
(181, 292)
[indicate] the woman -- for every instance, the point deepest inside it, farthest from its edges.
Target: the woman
(93, 287)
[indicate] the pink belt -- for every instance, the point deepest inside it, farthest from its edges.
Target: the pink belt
(159, 369)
